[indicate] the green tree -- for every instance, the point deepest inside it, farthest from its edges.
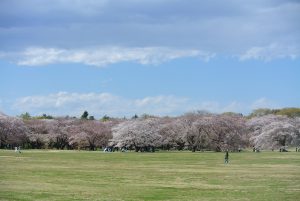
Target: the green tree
(25, 115)
(91, 118)
(44, 116)
(135, 117)
(147, 116)
(105, 118)
(290, 112)
(261, 112)
(85, 115)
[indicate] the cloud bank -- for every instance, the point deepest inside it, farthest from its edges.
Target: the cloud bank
(99, 104)
(106, 55)
(270, 52)
(67, 29)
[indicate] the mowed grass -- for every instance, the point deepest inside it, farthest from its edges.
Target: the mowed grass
(83, 175)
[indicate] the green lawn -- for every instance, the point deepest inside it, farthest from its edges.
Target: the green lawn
(82, 175)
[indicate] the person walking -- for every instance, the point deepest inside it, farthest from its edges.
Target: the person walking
(226, 157)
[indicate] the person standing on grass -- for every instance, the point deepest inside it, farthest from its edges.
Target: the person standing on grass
(226, 157)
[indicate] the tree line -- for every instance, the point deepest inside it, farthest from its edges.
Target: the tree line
(197, 131)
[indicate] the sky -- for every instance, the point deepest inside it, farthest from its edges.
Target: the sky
(159, 57)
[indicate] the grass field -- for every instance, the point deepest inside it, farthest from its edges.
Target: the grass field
(82, 175)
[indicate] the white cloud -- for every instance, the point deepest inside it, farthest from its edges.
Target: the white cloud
(234, 106)
(232, 28)
(161, 104)
(270, 52)
(99, 104)
(102, 56)
(263, 103)
(217, 107)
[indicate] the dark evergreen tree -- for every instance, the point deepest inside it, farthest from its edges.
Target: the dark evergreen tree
(85, 115)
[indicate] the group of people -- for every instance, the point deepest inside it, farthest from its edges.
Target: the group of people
(107, 149)
(112, 149)
(255, 149)
(18, 149)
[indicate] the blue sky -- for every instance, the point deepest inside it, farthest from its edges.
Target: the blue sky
(165, 57)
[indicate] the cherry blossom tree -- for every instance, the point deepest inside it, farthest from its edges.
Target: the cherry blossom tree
(193, 131)
(13, 132)
(172, 133)
(38, 135)
(272, 131)
(98, 133)
(90, 134)
(138, 134)
(216, 132)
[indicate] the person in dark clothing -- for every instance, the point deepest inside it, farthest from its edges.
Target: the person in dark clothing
(226, 157)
